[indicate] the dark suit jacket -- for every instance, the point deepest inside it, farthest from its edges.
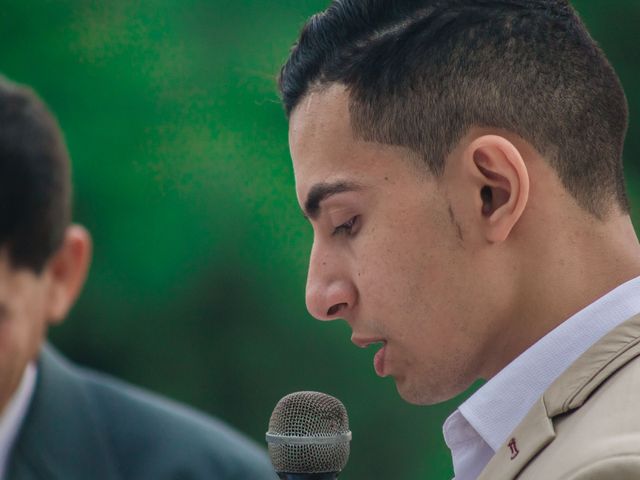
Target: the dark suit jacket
(82, 425)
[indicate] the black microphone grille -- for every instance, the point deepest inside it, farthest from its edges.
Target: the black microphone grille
(309, 433)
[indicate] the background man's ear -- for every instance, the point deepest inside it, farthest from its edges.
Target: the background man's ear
(502, 180)
(67, 270)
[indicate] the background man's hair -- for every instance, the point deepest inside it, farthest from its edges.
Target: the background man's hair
(420, 73)
(34, 179)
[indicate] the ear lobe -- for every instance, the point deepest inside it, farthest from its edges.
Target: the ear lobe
(502, 180)
(67, 270)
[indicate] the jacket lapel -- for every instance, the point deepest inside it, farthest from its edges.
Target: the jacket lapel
(533, 434)
(591, 370)
(62, 437)
(567, 393)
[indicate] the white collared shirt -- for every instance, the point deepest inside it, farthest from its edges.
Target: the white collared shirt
(13, 415)
(476, 430)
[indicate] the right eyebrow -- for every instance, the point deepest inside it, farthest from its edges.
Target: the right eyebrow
(321, 191)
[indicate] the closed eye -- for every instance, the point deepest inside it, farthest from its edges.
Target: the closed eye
(347, 228)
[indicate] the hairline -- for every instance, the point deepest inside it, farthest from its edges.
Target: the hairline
(366, 132)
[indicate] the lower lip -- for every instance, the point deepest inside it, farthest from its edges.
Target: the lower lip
(378, 361)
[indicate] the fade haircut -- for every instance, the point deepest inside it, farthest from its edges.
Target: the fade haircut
(34, 179)
(421, 73)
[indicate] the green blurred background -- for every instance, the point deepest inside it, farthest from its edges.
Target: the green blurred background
(182, 174)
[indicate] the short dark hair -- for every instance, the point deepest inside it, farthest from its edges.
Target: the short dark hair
(35, 187)
(421, 73)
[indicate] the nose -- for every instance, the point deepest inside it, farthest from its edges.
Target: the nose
(330, 292)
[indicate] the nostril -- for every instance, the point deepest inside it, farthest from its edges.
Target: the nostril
(335, 309)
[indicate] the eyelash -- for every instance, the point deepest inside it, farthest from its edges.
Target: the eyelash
(347, 227)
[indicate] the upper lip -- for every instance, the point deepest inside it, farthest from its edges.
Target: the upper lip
(364, 342)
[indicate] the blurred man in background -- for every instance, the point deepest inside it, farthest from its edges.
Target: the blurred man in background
(58, 421)
(460, 162)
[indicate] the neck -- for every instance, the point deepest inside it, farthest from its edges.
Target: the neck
(563, 271)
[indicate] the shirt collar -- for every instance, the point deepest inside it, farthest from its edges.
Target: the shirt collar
(497, 408)
(14, 413)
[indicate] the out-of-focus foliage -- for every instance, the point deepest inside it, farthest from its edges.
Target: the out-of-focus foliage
(183, 176)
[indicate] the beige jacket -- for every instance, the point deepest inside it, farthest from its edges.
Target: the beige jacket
(587, 424)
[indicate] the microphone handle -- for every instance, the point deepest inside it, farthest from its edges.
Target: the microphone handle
(308, 476)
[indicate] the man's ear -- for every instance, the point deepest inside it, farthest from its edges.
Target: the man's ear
(67, 270)
(502, 182)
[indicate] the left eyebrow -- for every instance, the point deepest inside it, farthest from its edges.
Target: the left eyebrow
(321, 191)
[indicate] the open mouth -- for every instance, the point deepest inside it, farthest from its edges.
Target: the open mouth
(379, 358)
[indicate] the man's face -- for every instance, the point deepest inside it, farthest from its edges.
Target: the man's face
(23, 303)
(388, 255)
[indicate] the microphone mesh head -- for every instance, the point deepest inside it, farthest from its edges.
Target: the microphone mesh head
(309, 414)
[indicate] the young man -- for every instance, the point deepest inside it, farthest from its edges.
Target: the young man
(58, 421)
(460, 163)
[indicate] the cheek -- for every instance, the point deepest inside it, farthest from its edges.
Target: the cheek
(392, 283)
(17, 348)
(420, 284)
(22, 334)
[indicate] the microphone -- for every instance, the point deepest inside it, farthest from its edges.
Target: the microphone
(308, 437)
